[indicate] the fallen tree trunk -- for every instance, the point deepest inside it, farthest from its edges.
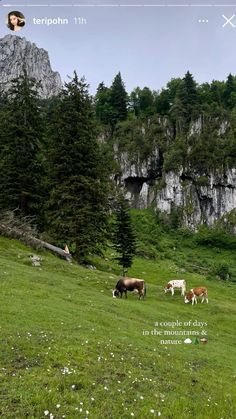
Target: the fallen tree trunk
(25, 237)
(53, 248)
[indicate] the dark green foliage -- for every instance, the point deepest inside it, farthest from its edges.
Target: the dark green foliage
(165, 100)
(222, 271)
(118, 100)
(142, 102)
(214, 237)
(124, 236)
(189, 100)
(202, 181)
(111, 103)
(103, 106)
(176, 217)
(230, 92)
(78, 202)
(147, 231)
(21, 131)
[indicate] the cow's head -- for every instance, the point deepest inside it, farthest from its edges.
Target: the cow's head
(188, 297)
(115, 293)
(167, 288)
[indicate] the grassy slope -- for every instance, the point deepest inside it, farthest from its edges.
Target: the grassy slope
(63, 316)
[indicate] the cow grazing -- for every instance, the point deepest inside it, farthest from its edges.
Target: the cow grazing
(176, 283)
(129, 284)
(194, 293)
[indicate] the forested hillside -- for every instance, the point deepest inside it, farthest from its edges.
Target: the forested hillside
(64, 160)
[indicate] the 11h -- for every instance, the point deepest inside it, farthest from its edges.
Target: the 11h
(80, 20)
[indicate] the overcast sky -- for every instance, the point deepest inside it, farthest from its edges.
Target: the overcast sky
(148, 45)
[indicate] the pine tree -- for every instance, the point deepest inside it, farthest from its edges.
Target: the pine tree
(188, 96)
(77, 207)
(103, 108)
(124, 237)
(230, 92)
(20, 137)
(118, 100)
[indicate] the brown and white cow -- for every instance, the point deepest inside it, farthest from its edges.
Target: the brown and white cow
(196, 292)
(129, 284)
(176, 283)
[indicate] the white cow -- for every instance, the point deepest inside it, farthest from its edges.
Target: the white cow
(176, 283)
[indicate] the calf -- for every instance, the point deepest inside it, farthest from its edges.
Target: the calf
(194, 293)
(129, 284)
(176, 283)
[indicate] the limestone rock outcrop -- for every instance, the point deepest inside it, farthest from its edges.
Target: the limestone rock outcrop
(17, 53)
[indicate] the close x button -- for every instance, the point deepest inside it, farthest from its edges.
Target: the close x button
(228, 21)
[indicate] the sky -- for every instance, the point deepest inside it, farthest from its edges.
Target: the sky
(149, 42)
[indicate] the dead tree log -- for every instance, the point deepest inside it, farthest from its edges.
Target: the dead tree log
(54, 249)
(16, 233)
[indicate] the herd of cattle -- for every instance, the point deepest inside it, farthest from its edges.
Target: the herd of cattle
(138, 285)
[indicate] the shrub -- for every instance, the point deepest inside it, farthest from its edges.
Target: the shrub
(222, 271)
(202, 181)
(215, 237)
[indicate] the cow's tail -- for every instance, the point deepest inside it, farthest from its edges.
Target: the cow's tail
(145, 290)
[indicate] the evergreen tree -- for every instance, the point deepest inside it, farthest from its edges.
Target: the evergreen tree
(188, 96)
(230, 92)
(103, 107)
(118, 100)
(77, 207)
(20, 138)
(162, 102)
(217, 93)
(142, 102)
(124, 237)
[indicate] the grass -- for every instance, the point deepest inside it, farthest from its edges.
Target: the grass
(70, 349)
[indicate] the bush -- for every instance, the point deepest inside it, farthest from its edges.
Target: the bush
(202, 181)
(185, 232)
(222, 271)
(215, 238)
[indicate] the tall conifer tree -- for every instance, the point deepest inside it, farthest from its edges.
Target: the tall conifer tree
(77, 207)
(104, 111)
(189, 97)
(124, 237)
(118, 100)
(20, 136)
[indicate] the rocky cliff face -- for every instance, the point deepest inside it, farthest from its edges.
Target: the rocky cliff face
(201, 198)
(17, 53)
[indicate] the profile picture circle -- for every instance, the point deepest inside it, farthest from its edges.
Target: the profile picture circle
(15, 21)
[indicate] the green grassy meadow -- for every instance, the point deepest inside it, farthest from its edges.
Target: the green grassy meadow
(69, 350)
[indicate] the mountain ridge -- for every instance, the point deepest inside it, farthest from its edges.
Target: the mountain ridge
(17, 54)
